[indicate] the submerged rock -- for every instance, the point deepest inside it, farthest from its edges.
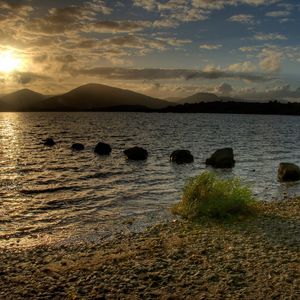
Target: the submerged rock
(222, 158)
(49, 142)
(102, 149)
(136, 153)
(182, 157)
(77, 147)
(288, 172)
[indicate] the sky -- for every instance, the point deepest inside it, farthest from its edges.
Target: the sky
(163, 48)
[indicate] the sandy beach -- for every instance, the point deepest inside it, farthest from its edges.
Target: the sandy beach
(257, 258)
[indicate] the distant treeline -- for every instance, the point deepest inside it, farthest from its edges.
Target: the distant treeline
(219, 107)
(269, 108)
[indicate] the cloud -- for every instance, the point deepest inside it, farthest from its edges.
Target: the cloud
(41, 58)
(224, 89)
(176, 42)
(146, 4)
(283, 92)
(245, 67)
(203, 4)
(211, 46)
(196, 10)
(167, 74)
(220, 4)
(270, 36)
(287, 6)
(284, 20)
(259, 2)
(66, 19)
(181, 11)
(279, 13)
(74, 40)
(249, 49)
(99, 6)
(118, 26)
(270, 60)
(287, 52)
(29, 77)
(20, 7)
(132, 41)
(65, 58)
(245, 19)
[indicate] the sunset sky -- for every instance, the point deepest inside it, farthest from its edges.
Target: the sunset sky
(241, 48)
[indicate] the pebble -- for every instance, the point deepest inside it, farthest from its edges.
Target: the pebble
(256, 258)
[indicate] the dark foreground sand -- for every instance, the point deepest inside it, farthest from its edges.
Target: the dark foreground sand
(253, 259)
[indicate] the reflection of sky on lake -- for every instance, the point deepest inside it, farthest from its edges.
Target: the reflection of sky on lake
(54, 193)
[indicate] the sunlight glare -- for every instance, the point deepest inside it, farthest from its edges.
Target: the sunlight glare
(8, 62)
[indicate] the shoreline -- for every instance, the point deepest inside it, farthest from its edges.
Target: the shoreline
(257, 258)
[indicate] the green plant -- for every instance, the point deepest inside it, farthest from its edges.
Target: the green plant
(208, 195)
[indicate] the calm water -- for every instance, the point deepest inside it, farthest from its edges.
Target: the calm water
(56, 195)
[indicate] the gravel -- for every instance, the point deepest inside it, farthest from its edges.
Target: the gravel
(256, 258)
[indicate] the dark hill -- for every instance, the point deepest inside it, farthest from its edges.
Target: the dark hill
(99, 97)
(21, 100)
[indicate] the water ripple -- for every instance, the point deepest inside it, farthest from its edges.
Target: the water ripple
(58, 194)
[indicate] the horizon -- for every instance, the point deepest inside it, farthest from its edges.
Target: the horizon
(246, 49)
(174, 100)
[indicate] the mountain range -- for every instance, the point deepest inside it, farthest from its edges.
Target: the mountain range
(98, 97)
(90, 97)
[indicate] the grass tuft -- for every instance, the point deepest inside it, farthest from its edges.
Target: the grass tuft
(209, 196)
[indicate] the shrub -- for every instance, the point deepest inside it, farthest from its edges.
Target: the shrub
(208, 195)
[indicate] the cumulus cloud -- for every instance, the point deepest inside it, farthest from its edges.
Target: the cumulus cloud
(146, 4)
(249, 49)
(73, 40)
(181, 11)
(61, 20)
(117, 26)
(211, 46)
(246, 19)
(245, 67)
(220, 4)
(197, 10)
(202, 4)
(224, 89)
(270, 60)
(283, 92)
(270, 36)
(279, 13)
(176, 42)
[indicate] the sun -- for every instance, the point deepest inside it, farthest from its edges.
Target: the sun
(9, 62)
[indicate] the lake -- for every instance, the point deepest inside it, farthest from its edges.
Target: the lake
(55, 195)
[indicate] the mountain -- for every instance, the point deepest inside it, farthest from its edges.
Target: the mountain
(173, 99)
(199, 97)
(21, 100)
(208, 97)
(99, 97)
